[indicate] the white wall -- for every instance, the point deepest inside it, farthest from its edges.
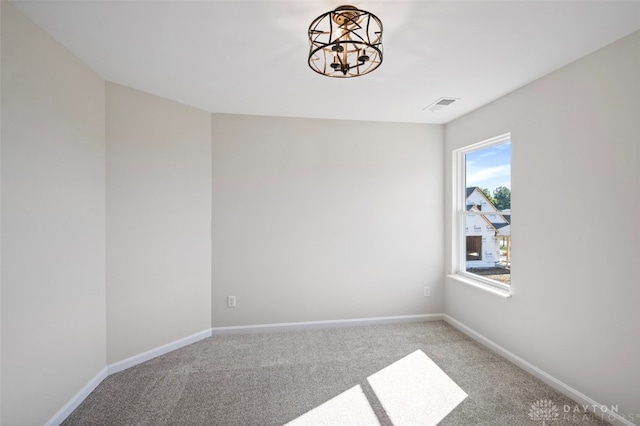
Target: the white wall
(325, 219)
(158, 222)
(311, 220)
(574, 311)
(0, 219)
(53, 223)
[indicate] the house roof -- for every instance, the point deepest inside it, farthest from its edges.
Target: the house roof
(472, 189)
(499, 225)
(469, 207)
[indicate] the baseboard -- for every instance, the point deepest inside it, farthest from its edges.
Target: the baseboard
(161, 350)
(599, 410)
(580, 398)
(64, 412)
(324, 324)
(77, 399)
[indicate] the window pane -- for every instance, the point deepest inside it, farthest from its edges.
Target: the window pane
(487, 247)
(487, 239)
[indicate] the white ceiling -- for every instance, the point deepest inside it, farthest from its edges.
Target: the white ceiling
(250, 57)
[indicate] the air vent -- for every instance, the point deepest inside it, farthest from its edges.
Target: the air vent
(440, 103)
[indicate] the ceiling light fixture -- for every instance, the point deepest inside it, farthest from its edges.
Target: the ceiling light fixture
(346, 42)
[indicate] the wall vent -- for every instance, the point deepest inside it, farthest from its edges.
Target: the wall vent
(440, 103)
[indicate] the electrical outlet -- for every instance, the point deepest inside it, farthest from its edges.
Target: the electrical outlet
(231, 301)
(427, 292)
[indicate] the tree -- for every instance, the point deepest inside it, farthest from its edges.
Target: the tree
(502, 195)
(487, 193)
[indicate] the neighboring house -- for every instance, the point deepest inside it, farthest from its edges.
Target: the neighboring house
(485, 233)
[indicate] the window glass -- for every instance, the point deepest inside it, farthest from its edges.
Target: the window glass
(485, 211)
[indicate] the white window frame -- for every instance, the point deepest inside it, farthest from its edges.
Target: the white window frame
(459, 192)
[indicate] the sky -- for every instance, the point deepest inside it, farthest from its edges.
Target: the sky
(489, 167)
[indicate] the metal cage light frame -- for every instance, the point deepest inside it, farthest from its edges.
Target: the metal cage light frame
(346, 42)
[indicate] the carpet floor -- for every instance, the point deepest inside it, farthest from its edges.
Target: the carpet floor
(274, 378)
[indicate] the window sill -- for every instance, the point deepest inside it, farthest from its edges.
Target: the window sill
(482, 286)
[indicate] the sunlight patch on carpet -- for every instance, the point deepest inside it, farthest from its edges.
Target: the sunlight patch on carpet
(415, 391)
(351, 407)
(412, 391)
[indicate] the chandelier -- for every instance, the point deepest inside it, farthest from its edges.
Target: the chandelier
(346, 42)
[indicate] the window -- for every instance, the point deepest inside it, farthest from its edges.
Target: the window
(474, 248)
(482, 230)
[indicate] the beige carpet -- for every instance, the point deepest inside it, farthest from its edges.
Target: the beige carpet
(412, 391)
(388, 375)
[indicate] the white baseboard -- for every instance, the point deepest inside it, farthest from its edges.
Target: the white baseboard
(64, 412)
(598, 409)
(565, 389)
(261, 328)
(160, 350)
(77, 399)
